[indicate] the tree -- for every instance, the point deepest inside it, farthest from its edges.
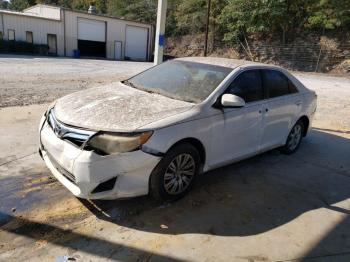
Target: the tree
(284, 17)
(329, 14)
(4, 4)
(117, 8)
(190, 16)
(19, 5)
(143, 11)
(240, 17)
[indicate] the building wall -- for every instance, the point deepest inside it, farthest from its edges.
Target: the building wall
(34, 20)
(39, 26)
(115, 31)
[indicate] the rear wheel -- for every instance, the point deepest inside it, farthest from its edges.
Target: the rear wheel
(174, 175)
(294, 138)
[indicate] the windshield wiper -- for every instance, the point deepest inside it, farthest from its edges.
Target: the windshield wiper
(155, 91)
(128, 83)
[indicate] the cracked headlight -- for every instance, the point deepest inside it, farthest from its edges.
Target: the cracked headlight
(109, 143)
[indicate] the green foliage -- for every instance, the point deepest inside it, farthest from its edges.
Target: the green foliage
(330, 14)
(19, 5)
(229, 19)
(143, 11)
(285, 17)
(4, 4)
(240, 17)
(190, 16)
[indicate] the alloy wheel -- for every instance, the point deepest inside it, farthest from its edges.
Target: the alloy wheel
(179, 174)
(294, 137)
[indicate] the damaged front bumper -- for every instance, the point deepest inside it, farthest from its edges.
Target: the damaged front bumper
(92, 176)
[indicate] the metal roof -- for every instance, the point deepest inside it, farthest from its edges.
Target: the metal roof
(87, 13)
(32, 15)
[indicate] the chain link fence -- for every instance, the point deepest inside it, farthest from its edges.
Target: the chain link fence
(325, 55)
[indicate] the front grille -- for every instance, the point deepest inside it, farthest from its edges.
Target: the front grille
(60, 169)
(75, 135)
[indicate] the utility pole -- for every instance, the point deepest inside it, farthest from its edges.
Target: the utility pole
(207, 29)
(160, 31)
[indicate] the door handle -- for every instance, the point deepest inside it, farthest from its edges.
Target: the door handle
(298, 103)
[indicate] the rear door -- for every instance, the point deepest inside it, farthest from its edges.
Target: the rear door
(280, 111)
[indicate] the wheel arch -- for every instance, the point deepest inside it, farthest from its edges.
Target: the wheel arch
(197, 144)
(306, 123)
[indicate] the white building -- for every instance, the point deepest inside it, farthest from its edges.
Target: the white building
(65, 30)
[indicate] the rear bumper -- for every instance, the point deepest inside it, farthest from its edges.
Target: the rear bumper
(82, 171)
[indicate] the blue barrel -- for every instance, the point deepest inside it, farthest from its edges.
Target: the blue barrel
(76, 53)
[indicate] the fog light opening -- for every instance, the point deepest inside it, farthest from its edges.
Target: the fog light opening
(105, 186)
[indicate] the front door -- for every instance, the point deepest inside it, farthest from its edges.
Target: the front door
(237, 135)
(52, 43)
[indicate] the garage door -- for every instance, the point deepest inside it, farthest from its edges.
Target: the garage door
(136, 43)
(91, 37)
(91, 30)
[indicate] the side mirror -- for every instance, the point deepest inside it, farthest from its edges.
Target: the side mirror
(229, 100)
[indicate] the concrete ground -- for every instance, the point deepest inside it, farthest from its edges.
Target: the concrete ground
(268, 208)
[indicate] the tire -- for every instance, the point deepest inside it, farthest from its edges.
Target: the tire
(166, 178)
(294, 138)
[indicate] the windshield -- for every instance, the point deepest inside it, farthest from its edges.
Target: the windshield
(182, 80)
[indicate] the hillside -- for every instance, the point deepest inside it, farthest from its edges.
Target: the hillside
(306, 53)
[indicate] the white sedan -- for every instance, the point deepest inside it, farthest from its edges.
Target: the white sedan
(157, 131)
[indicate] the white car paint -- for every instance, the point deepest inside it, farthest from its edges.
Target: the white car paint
(91, 169)
(227, 135)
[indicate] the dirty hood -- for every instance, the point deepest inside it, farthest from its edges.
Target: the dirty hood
(116, 107)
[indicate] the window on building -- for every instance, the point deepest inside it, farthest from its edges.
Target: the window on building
(29, 37)
(11, 35)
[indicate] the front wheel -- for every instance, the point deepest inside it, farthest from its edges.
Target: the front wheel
(174, 175)
(294, 138)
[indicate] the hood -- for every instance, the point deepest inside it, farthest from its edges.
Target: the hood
(116, 107)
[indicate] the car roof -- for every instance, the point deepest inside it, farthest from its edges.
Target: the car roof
(226, 62)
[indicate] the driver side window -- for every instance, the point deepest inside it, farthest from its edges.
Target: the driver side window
(248, 86)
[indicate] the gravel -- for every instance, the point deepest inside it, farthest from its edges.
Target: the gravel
(27, 80)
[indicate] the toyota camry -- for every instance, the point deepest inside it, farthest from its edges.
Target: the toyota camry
(155, 132)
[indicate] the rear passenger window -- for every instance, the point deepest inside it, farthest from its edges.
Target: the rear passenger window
(247, 86)
(275, 83)
(292, 87)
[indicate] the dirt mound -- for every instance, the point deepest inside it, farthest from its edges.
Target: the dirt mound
(343, 68)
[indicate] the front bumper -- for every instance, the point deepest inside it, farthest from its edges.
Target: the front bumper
(82, 171)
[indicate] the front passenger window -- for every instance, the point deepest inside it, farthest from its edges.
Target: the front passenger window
(247, 86)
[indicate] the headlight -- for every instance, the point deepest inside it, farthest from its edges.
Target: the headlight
(108, 143)
(44, 116)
